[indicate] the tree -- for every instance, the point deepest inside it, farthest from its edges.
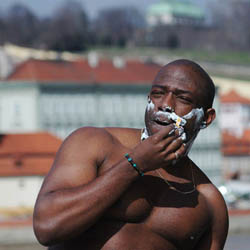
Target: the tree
(232, 19)
(2, 29)
(117, 26)
(67, 30)
(21, 25)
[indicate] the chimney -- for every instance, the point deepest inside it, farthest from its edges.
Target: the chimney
(119, 62)
(93, 59)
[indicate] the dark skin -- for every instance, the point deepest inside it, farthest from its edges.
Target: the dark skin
(93, 198)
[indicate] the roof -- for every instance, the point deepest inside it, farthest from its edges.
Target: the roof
(177, 8)
(133, 72)
(234, 97)
(235, 146)
(27, 154)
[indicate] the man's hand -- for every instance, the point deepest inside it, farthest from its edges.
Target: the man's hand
(159, 149)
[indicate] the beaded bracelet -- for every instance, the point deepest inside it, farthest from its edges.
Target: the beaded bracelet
(130, 160)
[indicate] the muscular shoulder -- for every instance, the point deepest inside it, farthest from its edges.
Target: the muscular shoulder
(89, 141)
(92, 135)
(213, 197)
(106, 135)
(128, 137)
(218, 214)
(100, 140)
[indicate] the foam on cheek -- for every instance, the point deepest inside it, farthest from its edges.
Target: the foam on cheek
(199, 114)
(180, 122)
(150, 106)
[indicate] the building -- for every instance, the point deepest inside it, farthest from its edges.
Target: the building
(171, 23)
(59, 96)
(24, 161)
(235, 126)
(172, 12)
(236, 155)
(235, 113)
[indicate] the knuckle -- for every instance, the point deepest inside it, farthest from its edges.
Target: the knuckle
(178, 141)
(155, 139)
(183, 149)
(161, 145)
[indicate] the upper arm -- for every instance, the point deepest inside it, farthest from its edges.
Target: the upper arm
(76, 161)
(215, 236)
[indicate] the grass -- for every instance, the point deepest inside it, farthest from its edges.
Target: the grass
(225, 57)
(234, 58)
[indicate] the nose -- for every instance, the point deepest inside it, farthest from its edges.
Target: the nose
(167, 103)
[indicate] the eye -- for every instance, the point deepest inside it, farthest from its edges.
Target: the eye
(157, 93)
(185, 99)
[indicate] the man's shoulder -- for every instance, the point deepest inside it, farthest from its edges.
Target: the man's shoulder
(209, 191)
(105, 135)
(126, 136)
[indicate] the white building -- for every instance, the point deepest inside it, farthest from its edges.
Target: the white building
(172, 12)
(235, 113)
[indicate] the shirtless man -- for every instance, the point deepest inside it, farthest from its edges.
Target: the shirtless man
(95, 198)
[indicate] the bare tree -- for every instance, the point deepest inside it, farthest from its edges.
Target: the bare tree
(117, 26)
(67, 30)
(20, 25)
(231, 18)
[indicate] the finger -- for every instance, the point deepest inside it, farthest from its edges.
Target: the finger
(166, 142)
(173, 145)
(182, 150)
(178, 154)
(164, 132)
(176, 132)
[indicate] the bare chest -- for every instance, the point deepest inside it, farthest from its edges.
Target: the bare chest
(149, 201)
(174, 216)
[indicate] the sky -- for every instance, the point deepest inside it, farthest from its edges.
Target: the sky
(46, 7)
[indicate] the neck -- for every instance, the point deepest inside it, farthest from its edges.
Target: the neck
(180, 168)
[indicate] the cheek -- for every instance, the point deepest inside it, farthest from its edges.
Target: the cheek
(194, 119)
(192, 126)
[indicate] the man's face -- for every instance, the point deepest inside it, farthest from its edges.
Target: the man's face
(174, 92)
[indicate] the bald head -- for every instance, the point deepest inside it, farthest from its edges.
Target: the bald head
(194, 73)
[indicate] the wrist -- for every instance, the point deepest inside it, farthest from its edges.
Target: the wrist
(134, 164)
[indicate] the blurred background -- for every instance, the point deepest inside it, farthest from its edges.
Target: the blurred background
(68, 64)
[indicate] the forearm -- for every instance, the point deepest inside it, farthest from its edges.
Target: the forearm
(61, 214)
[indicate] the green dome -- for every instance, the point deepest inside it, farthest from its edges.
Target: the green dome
(177, 8)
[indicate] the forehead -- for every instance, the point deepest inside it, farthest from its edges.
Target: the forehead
(180, 77)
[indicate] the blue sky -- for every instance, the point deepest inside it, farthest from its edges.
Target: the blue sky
(46, 7)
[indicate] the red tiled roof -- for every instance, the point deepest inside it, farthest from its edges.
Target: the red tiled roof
(234, 97)
(232, 145)
(133, 72)
(27, 154)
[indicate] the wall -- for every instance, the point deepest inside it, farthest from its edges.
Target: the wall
(19, 191)
(18, 108)
(63, 111)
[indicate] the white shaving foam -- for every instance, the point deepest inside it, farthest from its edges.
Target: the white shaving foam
(199, 114)
(150, 105)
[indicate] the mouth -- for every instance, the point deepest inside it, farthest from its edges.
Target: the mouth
(162, 122)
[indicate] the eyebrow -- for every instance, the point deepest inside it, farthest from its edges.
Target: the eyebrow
(179, 91)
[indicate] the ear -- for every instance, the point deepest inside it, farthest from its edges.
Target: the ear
(209, 116)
